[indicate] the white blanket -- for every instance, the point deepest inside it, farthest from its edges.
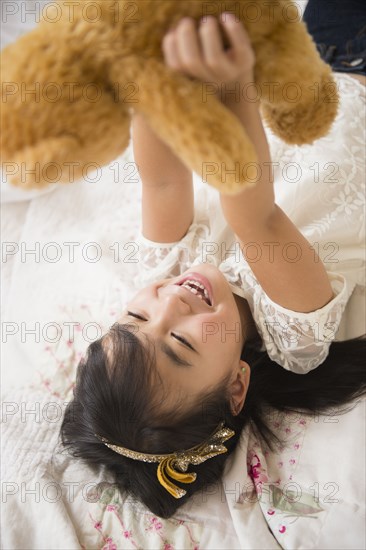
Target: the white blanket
(57, 299)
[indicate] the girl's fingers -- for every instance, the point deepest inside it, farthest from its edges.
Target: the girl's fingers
(213, 52)
(238, 37)
(188, 46)
(170, 51)
(200, 53)
(182, 50)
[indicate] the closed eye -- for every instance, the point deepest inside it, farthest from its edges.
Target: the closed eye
(135, 315)
(183, 340)
(176, 336)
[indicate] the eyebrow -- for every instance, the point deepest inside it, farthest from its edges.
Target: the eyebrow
(170, 353)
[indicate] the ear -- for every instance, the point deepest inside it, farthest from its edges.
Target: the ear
(239, 387)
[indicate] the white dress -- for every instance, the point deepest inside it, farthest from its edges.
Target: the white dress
(321, 188)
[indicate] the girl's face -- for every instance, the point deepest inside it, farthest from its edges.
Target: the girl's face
(196, 343)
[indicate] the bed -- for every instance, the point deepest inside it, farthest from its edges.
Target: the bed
(69, 259)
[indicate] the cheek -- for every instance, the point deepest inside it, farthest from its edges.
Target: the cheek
(226, 315)
(211, 332)
(223, 319)
(142, 294)
(224, 329)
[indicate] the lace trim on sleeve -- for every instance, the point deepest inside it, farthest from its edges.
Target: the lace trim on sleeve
(165, 260)
(300, 341)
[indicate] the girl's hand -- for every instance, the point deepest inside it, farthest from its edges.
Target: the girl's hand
(200, 53)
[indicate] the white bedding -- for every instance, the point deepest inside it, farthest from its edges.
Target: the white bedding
(51, 500)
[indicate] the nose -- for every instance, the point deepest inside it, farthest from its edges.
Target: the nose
(168, 307)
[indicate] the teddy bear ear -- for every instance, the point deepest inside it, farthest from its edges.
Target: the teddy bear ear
(67, 143)
(58, 160)
(43, 163)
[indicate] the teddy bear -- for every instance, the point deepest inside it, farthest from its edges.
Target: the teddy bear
(71, 85)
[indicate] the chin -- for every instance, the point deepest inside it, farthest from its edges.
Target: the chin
(205, 268)
(213, 271)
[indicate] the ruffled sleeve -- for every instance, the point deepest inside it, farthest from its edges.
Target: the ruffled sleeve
(300, 342)
(167, 260)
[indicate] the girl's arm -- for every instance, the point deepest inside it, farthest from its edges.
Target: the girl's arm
(286, 267)
(167, 186)
(280, 257)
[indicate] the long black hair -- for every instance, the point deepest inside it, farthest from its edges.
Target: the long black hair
(116, 399)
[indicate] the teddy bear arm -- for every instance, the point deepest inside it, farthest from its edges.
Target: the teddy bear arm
(299, 94)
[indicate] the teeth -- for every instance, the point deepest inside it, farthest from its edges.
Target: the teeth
(200, 285)
(194, 290)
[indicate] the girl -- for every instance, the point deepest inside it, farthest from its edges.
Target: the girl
(173, 383)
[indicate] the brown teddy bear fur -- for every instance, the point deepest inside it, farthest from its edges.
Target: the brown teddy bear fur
(91, 67)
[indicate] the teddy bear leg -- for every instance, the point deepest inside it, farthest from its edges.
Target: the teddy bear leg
(186, 115)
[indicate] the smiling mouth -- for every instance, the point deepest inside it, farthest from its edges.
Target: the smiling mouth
(196, 288)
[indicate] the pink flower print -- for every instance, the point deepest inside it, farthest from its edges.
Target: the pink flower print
(256, 472)
(270, 512)
(282, 529)
(168, 546)
(109, 545)
(302, 422)
(280, 464)
(111, 508)
(156, 524)
(98, 525)
(288, 430)
(292, 461)
(127, 534)
(296, 446)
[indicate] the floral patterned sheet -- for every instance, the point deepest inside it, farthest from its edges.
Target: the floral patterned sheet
(69, 272)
